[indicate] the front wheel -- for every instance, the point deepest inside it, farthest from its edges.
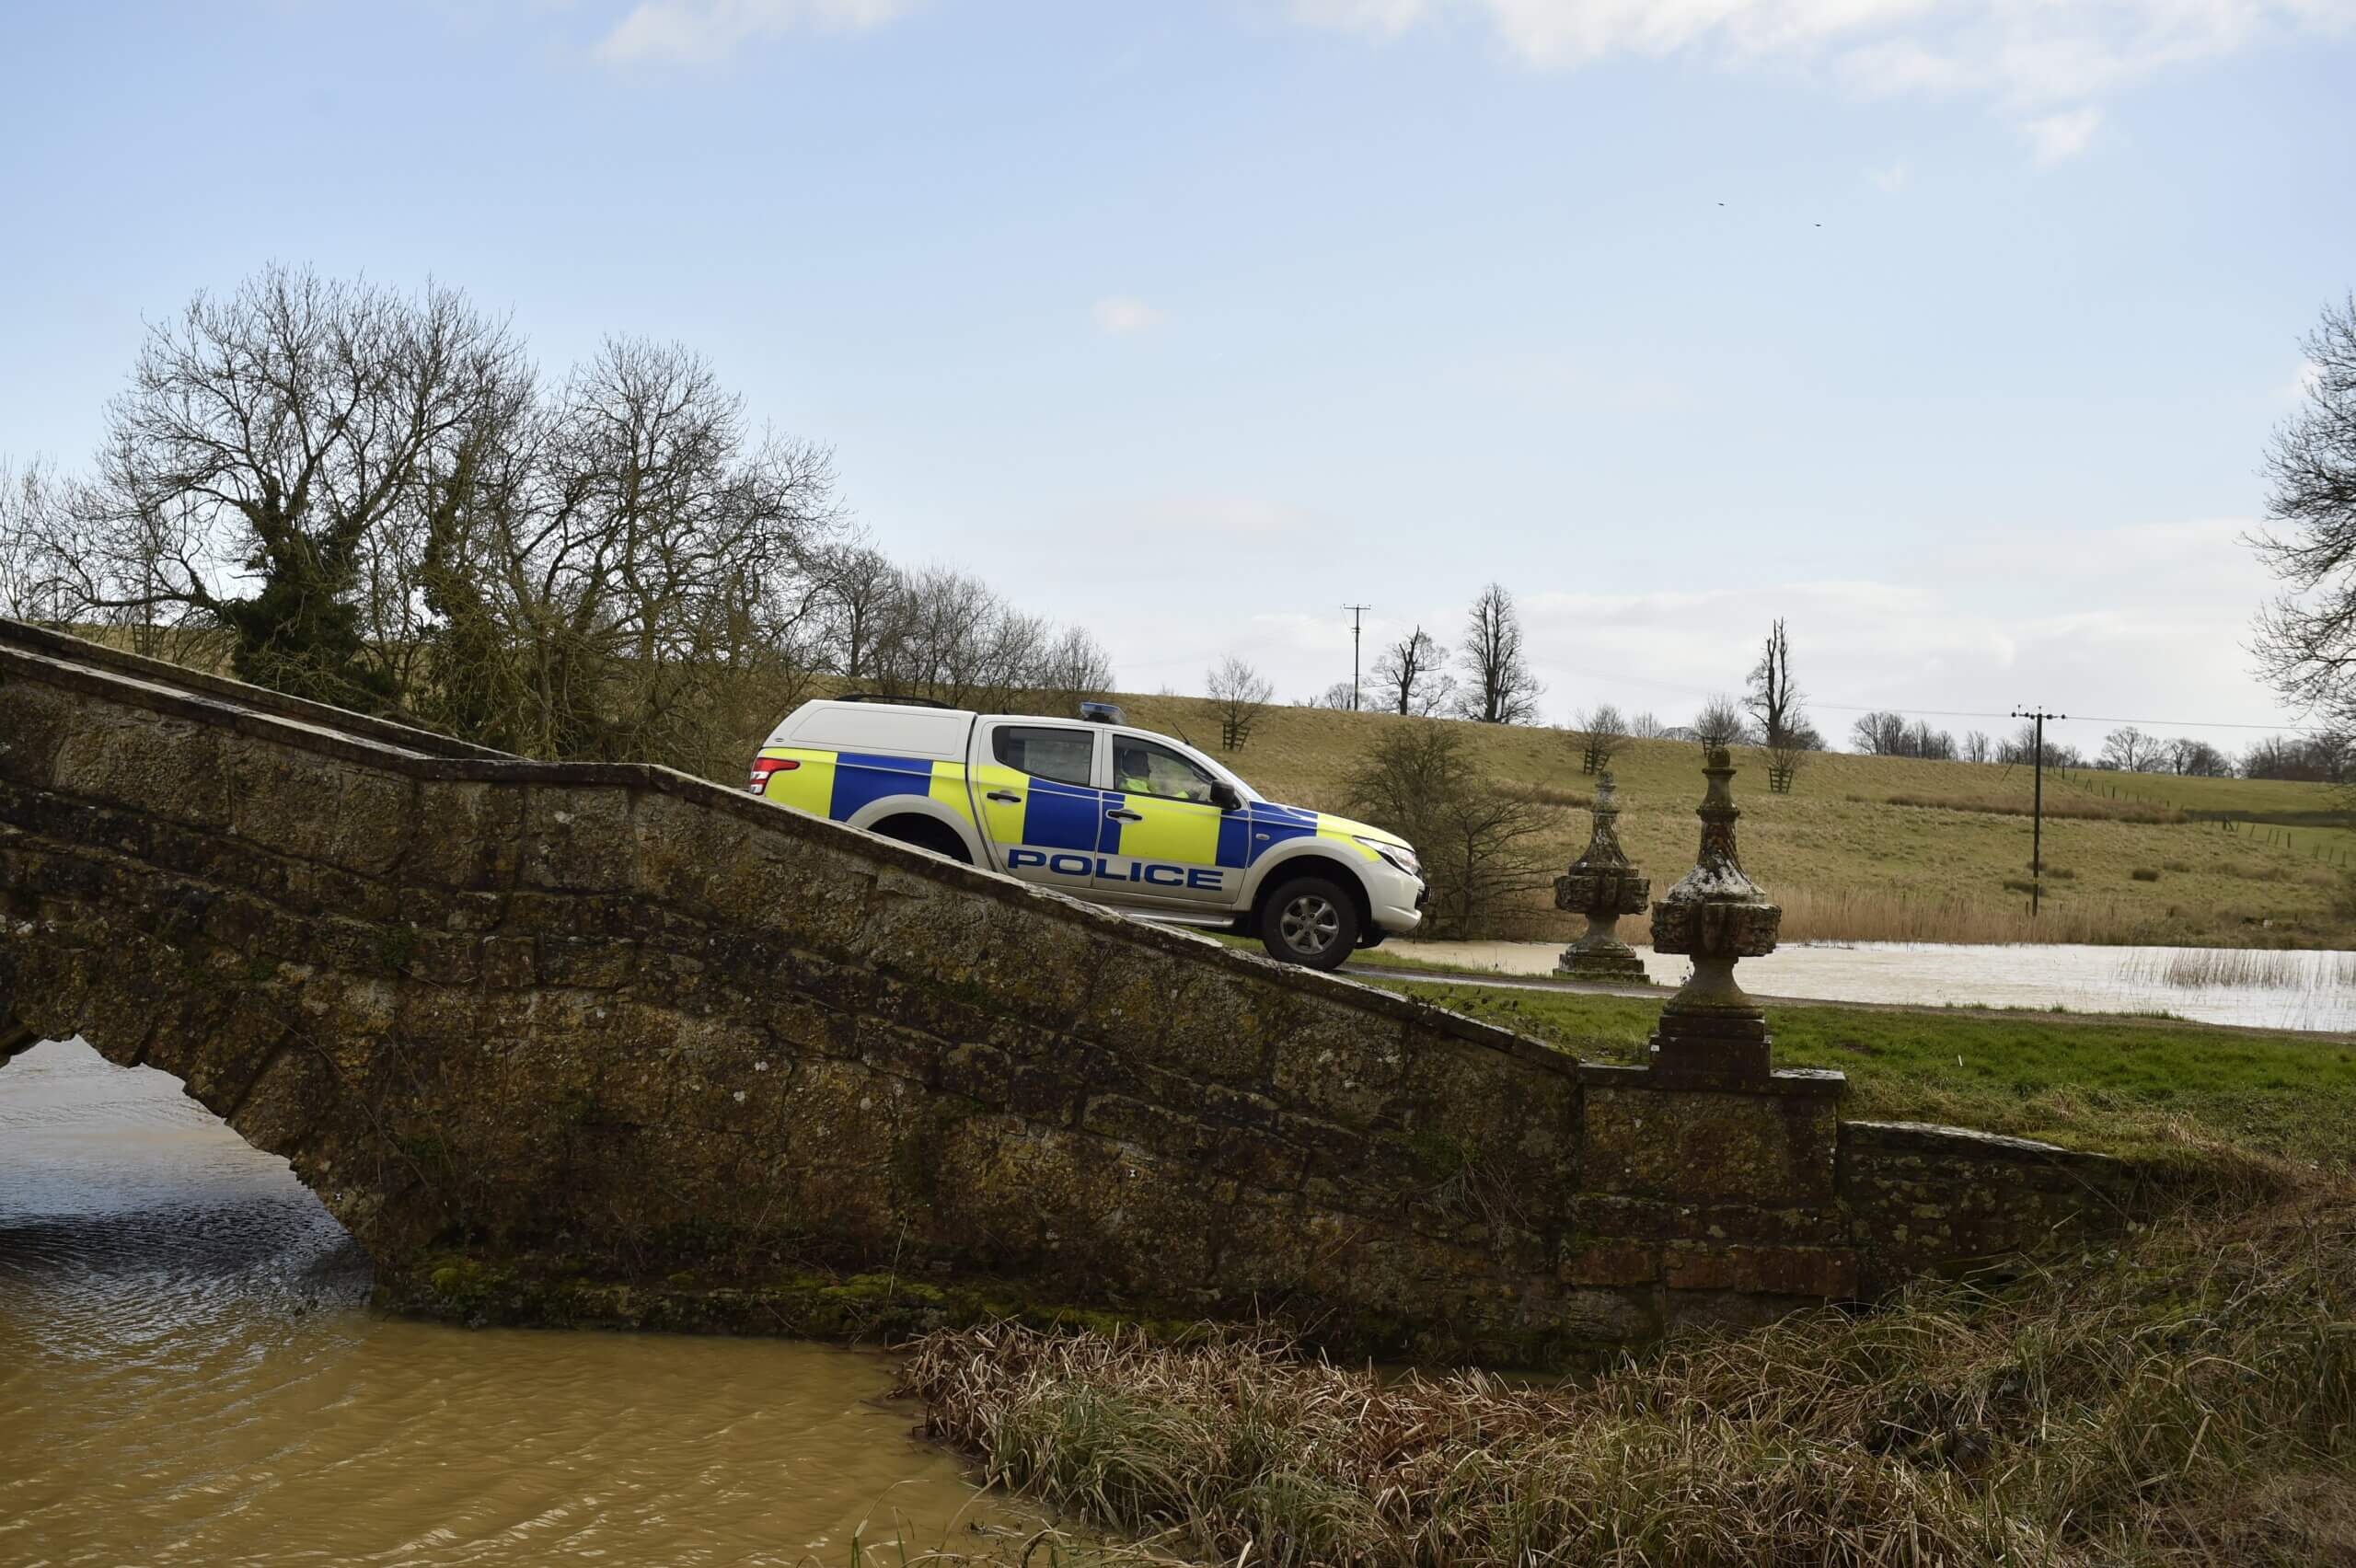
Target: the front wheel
(1312, 922)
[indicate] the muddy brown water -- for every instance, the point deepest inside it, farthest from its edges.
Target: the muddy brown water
(188, 1374)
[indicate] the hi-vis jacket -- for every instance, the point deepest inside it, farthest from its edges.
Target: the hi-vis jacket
(1114, 814)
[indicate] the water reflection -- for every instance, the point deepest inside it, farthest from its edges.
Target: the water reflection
(188, 1375)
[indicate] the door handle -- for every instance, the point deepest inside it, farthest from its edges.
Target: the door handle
(1119, 815)
(1004, 797)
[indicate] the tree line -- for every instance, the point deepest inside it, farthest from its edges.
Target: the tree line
(377, 499)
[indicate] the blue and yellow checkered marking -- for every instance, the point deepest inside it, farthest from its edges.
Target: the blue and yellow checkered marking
(1048, 815)
(839, 784)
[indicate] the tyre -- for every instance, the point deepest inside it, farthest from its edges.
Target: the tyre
(925, 834)
(1310, 921)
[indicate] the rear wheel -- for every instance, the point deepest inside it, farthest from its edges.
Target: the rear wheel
(925, 834)
(1309, 921)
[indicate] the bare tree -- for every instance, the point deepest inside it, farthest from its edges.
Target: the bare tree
(1721, 723)
(650, 570)
(2307, 638)
(270, 463)
(1889, 734)
(1933, 746)
(1341, 695)
(1646, 726)
(31, 505)
(1600, 732)
(1411, 676)
(2022, 750)
(1239, 694)
(2197, 759)
(1978, 747)
(1879, 734)
(2127, 750)
(1500, 689)
(1772, 698)
(862, 606)
(1478, 841)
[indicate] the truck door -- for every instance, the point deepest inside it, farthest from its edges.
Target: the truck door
(1041, 811)
(1160, 841)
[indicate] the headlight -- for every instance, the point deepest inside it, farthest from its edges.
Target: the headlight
(1399, 854)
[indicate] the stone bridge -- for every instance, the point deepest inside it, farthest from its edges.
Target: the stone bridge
(611, 1044)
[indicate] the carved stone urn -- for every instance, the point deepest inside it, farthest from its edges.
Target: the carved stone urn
(1602, 886)
(1714, 916)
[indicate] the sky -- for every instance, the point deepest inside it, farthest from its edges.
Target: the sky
(1952, 334)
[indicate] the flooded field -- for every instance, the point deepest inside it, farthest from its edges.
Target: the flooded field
(188, 1375)
(2261, 990)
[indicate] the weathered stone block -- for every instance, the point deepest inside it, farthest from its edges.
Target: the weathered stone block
(1822, 1272)
(148, 761)
(1923, 1198)
(1773, 1150)
(578, 837)
(469, 834)
(315, 808)
(1339, 1062)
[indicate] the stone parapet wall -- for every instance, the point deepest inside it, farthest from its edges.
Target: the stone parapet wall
(1923, 1199)
(610, 1044)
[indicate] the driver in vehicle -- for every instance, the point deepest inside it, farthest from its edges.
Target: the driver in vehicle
(1135, 773)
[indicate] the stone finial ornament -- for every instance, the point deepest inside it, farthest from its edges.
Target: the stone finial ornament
(1602, 885)
(1711, 1028)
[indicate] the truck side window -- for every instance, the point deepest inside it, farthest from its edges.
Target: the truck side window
(1141, 768)
(1064, 756)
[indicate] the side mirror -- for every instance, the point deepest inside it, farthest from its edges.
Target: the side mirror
(1224, 797)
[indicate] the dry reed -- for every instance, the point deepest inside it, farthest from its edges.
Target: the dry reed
(1880, 915)
(2265, 968)
(2192, 1400)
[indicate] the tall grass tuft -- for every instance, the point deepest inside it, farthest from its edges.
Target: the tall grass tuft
(2263, 968)
(2192, 1400)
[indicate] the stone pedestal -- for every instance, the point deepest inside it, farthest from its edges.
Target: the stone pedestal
(1711, 1030)
(1602, 885)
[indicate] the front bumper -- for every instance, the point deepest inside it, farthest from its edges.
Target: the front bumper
(1396, 899)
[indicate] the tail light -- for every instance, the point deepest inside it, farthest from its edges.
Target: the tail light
(765, 766)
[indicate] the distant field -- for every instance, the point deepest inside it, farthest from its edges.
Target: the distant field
(1848, 862)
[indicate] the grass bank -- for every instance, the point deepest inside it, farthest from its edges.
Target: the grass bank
(2138, 1088)
(2187, 1398)
(2192, 1400)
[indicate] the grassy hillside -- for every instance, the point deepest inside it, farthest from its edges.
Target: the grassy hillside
(1888, 848)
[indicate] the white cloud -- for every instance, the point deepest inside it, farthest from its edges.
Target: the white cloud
(2053, 137)
(697, 31)
(1118, 314)
(2030, 58)
(1892, 178)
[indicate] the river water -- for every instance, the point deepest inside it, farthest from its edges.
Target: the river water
(2258, 988)
(188, 1375)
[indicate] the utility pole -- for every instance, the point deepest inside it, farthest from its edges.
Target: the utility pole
(1356, 626)
(2037, 809)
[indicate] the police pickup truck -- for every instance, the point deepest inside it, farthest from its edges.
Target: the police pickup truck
(1119, 816)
